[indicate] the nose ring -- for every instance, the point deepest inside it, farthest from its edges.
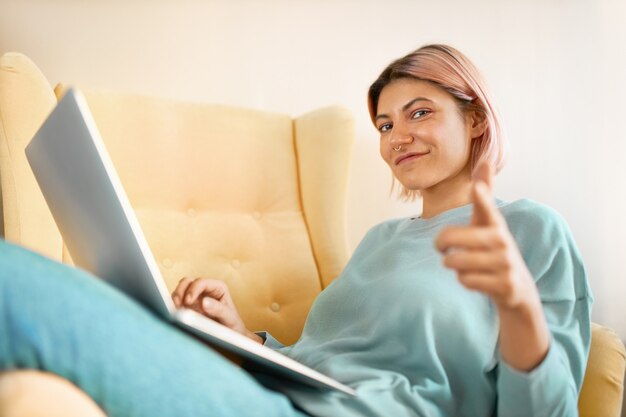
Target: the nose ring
(397, 148)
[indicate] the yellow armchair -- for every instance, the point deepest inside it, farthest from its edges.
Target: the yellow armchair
(254, 198)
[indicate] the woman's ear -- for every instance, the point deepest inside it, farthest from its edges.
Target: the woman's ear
(478, 123)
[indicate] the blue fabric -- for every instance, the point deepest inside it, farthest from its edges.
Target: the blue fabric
(64, 321)
(398, 327)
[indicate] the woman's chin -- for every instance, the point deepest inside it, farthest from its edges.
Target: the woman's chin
(415, 186)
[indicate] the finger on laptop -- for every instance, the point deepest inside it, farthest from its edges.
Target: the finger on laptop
(213, 288)
(179, 293)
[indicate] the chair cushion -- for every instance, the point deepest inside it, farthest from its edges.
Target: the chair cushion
(603, 386)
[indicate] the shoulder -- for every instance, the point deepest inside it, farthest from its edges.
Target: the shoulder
(531, 214)
(381, 233)
(375, 238)
(386, 229)
(536, 224)
(547, 245)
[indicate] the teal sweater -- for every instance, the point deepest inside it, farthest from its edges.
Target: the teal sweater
(398, 327)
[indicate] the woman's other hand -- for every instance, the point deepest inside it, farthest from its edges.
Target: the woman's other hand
(211, 298)
(487, 259)
(485, 254)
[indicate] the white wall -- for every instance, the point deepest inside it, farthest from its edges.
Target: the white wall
(558, 69)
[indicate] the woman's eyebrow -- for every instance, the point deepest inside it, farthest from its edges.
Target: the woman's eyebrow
(406, 106)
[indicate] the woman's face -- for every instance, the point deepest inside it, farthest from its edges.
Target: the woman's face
(433, 136)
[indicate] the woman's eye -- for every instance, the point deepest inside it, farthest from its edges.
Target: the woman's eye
(384, 128)
(419, 113)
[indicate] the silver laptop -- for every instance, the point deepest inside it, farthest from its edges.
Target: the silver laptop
(101, 231)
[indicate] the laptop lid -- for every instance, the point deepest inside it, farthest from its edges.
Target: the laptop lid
(89, 205)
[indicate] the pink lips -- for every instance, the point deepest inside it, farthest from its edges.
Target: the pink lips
(409, 156)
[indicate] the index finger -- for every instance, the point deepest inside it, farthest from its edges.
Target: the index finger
(485, 212)
(484, 173)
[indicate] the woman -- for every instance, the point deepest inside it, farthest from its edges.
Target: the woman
(475, 308)
(456, 349)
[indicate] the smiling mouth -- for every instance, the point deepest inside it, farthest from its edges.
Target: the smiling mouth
(409, 157)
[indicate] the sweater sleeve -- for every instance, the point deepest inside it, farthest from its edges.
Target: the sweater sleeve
(269, 341)
(551, 389)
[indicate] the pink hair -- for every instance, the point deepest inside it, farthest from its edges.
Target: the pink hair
(452, 71)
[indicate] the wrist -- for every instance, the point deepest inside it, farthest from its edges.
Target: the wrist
(523, 296)
(524, 335)
(525, 309)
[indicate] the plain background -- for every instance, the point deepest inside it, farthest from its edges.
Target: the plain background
(557, 69)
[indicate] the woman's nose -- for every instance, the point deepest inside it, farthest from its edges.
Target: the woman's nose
(400, 135)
